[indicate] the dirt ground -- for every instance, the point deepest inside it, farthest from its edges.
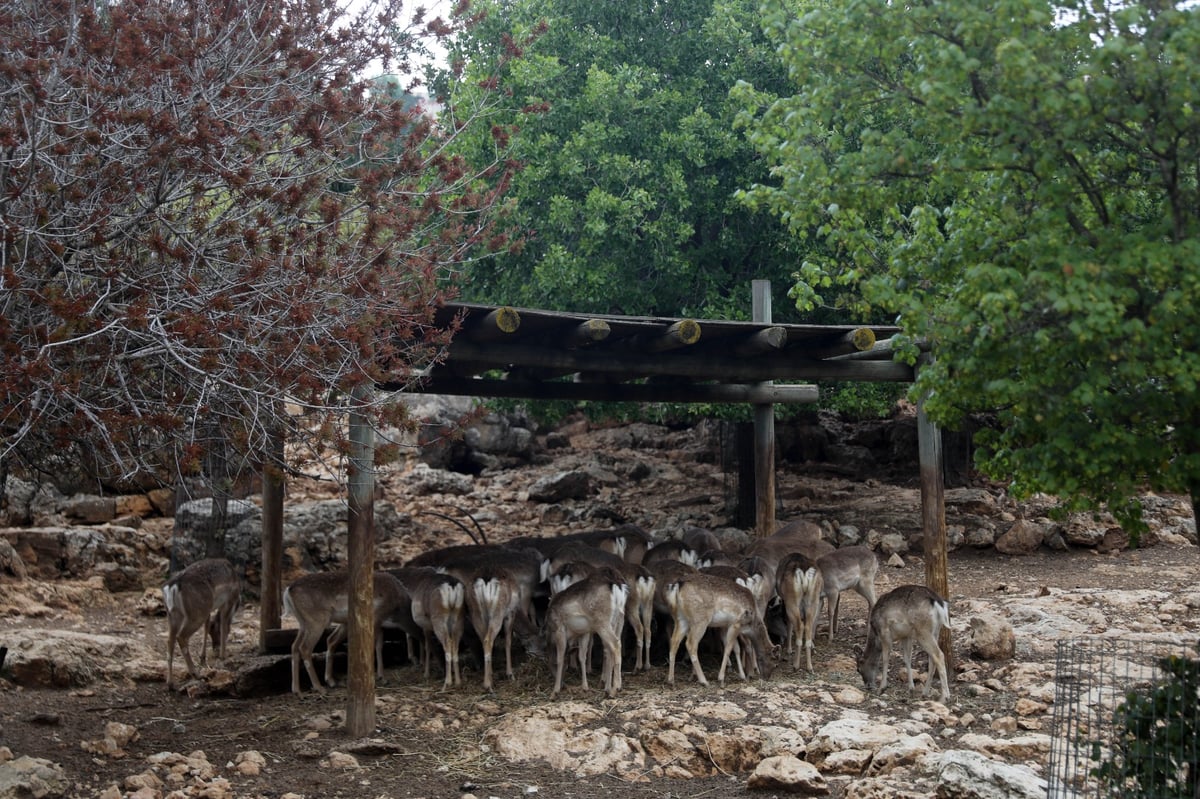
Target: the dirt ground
(431, 743)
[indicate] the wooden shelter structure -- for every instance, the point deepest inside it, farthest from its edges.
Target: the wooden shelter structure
(501, 351)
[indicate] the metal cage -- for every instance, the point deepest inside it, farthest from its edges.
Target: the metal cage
(1126, 720)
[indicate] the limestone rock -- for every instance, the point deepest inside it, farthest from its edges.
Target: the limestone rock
(992, 638)
(425, 480)
(850, 734)
(575, 484)
(970, 775)
(1023, 538)
(788, 773)
(27, 777)
(63, 658)
(558, 735)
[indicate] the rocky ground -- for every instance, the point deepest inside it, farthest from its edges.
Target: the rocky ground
(99, 715)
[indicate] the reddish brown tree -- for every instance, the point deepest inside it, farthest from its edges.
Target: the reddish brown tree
(211, 223)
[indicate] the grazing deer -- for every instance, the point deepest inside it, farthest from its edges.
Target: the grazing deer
(843, 569)
(671, 550)
(639, 610)
(594, 605)
(318, 600)
(774, 548)
(700, 539)
(438, 608)
(701, 601)
(207, 588)
(908, 614)
(495, 606)
(800, 584)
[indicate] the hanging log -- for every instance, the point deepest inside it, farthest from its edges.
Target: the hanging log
(683, 333)
(770, 339)
(857, 340)
(497, 324)
(591, 331)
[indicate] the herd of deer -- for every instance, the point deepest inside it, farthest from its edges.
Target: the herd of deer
(597, 583)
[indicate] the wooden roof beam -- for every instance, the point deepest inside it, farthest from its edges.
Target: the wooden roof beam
(696, 365)
(857, 340)
(623, 392)
(683, 333)
(493, 326)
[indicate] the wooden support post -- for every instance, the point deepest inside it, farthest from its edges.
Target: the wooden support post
(360, 678)
(274, 483)
(764, 431)
(933, 517)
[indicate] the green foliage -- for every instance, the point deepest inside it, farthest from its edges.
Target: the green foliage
(862, 400)
(626, 200)
(1155, 755)
(1018, 181)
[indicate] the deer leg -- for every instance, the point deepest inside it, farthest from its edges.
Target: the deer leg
(676, 637)
(336, 636)
(560, 649)
(834, 601)
(612, 662)
(302, 649)
(906, 648)
(885, 645)
(693, 648)
(936, 659)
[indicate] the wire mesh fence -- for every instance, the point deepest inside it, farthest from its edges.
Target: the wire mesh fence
(1126, 720)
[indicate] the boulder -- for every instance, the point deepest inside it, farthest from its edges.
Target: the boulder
(55, 552)
(574, 484)
(25, 777)
(848, 734)
(788, 773)
(970, 775)
(1023, 538)
(64, 658)
(90, 509)
(992, 638)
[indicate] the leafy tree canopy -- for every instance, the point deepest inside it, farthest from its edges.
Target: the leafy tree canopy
(208, 219)
(1018, 180)
(626, 197)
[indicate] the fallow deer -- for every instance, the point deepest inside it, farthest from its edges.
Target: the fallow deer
(594, 605)
(207, 588)
(701, 601)
(639, 610)
(844, 569)
(438, 608)
(908, 614)
(319, 600)
(799, 584)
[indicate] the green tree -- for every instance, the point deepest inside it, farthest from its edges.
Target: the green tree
(626, 195)
(1018, 180)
